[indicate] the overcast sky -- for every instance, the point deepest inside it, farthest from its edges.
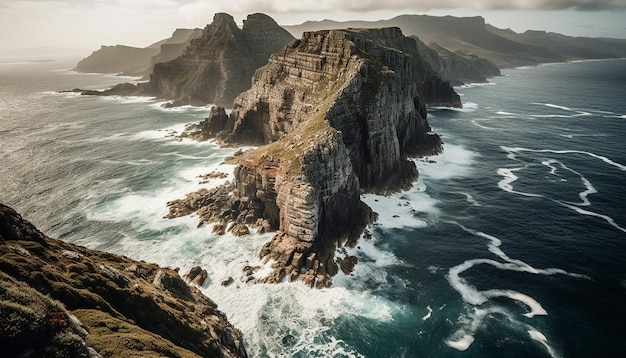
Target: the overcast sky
(81, 26)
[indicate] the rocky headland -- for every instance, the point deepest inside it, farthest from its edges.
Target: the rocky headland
(63, 300)
(134, 61)
(213, 68)
(335, 114)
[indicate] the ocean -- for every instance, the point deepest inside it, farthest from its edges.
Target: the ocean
(512, 243)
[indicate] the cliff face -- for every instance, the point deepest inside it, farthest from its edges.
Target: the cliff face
(63, 300)
(218, 65)
(173, 47)
(337, 113)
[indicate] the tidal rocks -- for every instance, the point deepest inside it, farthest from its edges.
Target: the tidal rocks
(209, 127)
(335, 113)
(196, 276)
(62, 300)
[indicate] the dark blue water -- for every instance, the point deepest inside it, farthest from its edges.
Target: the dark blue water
(512, 244)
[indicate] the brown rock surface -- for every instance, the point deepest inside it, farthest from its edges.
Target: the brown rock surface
(122, 307)
(336, 113)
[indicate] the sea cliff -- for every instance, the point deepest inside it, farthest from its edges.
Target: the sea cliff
(336, 113)
(63, 300)
(218, 65)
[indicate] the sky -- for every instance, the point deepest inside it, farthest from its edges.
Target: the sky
(78, 27)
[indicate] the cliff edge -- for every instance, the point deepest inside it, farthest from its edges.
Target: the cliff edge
(336, 113)
(63, 300)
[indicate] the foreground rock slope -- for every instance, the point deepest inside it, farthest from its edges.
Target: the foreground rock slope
(63, 300)
(336, 113)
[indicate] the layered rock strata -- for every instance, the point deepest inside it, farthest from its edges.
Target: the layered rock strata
(213, 68)
(218, 65)
(336, 113)
(63, 300)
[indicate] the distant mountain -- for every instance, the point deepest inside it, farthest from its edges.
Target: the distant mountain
(456, 67)
(118, 59)
(135, 61)
(470, 35)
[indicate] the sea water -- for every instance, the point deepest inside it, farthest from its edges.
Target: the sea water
(512, 243)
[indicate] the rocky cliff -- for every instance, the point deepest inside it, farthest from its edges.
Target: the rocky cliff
(336, 113)
(63, 300)
(173, 47)
(218, 65)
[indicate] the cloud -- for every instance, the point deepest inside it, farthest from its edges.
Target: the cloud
(334, 6)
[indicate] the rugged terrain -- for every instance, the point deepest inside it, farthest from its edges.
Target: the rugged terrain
(336, 113)
(471, 35)
(63, 300)
(218, 65)
(213, 68)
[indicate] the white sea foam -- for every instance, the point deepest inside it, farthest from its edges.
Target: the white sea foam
(167, 132)
(400, 210)
(470, 294)
(539, 337)
(179, 109)
(128, 99)
(427, 316)
(455, 161)
(477, 84)
(460, 342)
(469, 198)
(476, 122)
(509, 178)
(512, 150)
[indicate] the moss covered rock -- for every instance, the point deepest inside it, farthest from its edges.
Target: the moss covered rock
(129, 308)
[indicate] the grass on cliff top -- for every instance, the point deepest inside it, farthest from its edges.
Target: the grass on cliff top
(290, 149)
(113, 337)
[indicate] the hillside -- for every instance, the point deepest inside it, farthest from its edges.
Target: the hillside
(63, 300)
(471, 35)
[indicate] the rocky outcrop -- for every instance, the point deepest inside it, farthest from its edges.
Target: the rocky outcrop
(63, 300)
(218, 65)
(336, 113)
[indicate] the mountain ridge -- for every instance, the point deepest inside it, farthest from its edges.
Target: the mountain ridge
(505, 48)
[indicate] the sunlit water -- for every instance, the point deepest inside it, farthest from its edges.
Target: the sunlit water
(511, 244)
